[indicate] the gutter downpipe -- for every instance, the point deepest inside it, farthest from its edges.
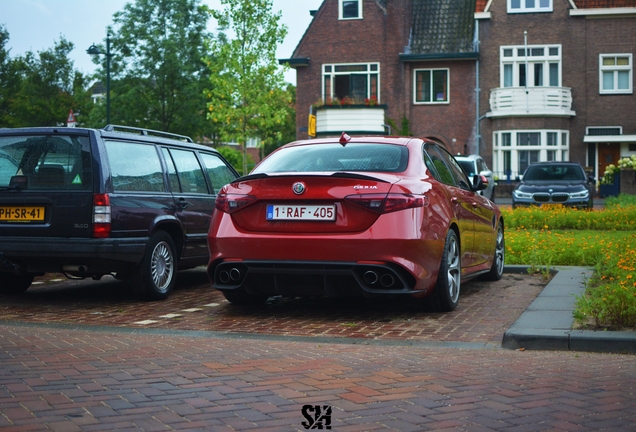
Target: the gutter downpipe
(525, 43)
(477, 91)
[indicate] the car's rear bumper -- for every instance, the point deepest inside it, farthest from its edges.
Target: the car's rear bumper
(410, 251)
(93, 256)
(297, 278)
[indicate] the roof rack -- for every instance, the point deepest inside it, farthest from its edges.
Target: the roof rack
(147, 132)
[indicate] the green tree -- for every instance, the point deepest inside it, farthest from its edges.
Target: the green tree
(234, 157)
(157, 68)
(276, 135)
(245, 81)
(9, 79)
(38, 90)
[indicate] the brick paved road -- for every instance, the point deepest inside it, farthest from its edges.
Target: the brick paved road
(67, 380)
(485, 311)
(194, 362)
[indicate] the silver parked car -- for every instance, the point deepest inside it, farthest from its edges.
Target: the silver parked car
(475, 164)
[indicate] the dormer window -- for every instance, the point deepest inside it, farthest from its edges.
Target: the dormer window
(349, 9)
(528, 6)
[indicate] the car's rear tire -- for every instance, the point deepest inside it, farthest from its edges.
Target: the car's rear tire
(11, 283)
(240, 297)
(445, 296)
(496, 271)
(156, 275)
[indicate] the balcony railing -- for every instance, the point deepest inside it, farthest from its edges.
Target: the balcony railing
(353, 119)
(531, 101)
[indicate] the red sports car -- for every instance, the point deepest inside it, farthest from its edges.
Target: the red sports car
(355, 216)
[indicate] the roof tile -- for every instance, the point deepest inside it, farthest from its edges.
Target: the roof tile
(442, 26)
(595, 4)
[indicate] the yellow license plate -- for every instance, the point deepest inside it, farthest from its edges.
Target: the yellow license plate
(552, 206)
(21, 214)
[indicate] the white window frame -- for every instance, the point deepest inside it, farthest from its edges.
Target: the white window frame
(557, 150)
(616, 69)
(526, 6)
(514, 57)
(341, 10)
(431, 102)
(329, 73)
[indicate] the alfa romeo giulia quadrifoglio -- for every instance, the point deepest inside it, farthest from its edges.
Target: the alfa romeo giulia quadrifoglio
(355, 216)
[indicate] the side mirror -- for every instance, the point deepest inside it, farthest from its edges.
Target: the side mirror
(480, 182)
(517, 179)
(591, 179)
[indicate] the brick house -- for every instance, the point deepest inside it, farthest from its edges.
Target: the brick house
(517, 81)
(415, 57)
(559, 80)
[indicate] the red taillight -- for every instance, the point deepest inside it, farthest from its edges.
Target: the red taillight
(229, 203)
(101, 215)
(395, 202)
(381, 203)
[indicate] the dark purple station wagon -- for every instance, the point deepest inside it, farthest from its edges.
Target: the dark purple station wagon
(130, 202)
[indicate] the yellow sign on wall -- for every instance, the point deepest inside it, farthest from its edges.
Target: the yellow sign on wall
(311, 127)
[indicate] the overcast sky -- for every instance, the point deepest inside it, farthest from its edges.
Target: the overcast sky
(35, 25)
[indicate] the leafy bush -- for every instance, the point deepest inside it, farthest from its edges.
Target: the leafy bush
(235, 158)
(623, 200)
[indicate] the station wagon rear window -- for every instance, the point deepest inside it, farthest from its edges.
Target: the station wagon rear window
(46, 162)
(335, 157)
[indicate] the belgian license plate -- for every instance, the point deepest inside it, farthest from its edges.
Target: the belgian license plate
(21, 214)
(301, 212)
(552, 206)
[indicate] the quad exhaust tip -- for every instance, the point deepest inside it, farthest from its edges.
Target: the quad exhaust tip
(233, 275)
(371, 278)
(387, 280)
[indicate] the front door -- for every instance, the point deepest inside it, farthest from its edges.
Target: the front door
(608, 153)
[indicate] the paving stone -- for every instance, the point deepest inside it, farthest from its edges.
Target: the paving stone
(228, 368)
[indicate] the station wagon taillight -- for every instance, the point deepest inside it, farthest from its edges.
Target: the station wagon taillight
(101, 215)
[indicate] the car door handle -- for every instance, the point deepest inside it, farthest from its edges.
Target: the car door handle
(183, 204)
(454, 200)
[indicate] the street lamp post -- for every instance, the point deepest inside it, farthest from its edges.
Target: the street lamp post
(94, 50)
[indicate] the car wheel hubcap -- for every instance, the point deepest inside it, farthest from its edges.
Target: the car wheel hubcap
(454, 273)
(500, 251)
(161, 266)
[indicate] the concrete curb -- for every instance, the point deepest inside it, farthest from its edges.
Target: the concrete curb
(547, 323)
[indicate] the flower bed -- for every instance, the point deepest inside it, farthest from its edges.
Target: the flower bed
(604, 239)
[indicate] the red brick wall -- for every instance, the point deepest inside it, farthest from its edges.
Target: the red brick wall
(451, 123)
(380, 37)
(581, 40)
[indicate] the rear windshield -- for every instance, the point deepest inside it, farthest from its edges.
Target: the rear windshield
(56, 162)
(554, 173)
(335, 157)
